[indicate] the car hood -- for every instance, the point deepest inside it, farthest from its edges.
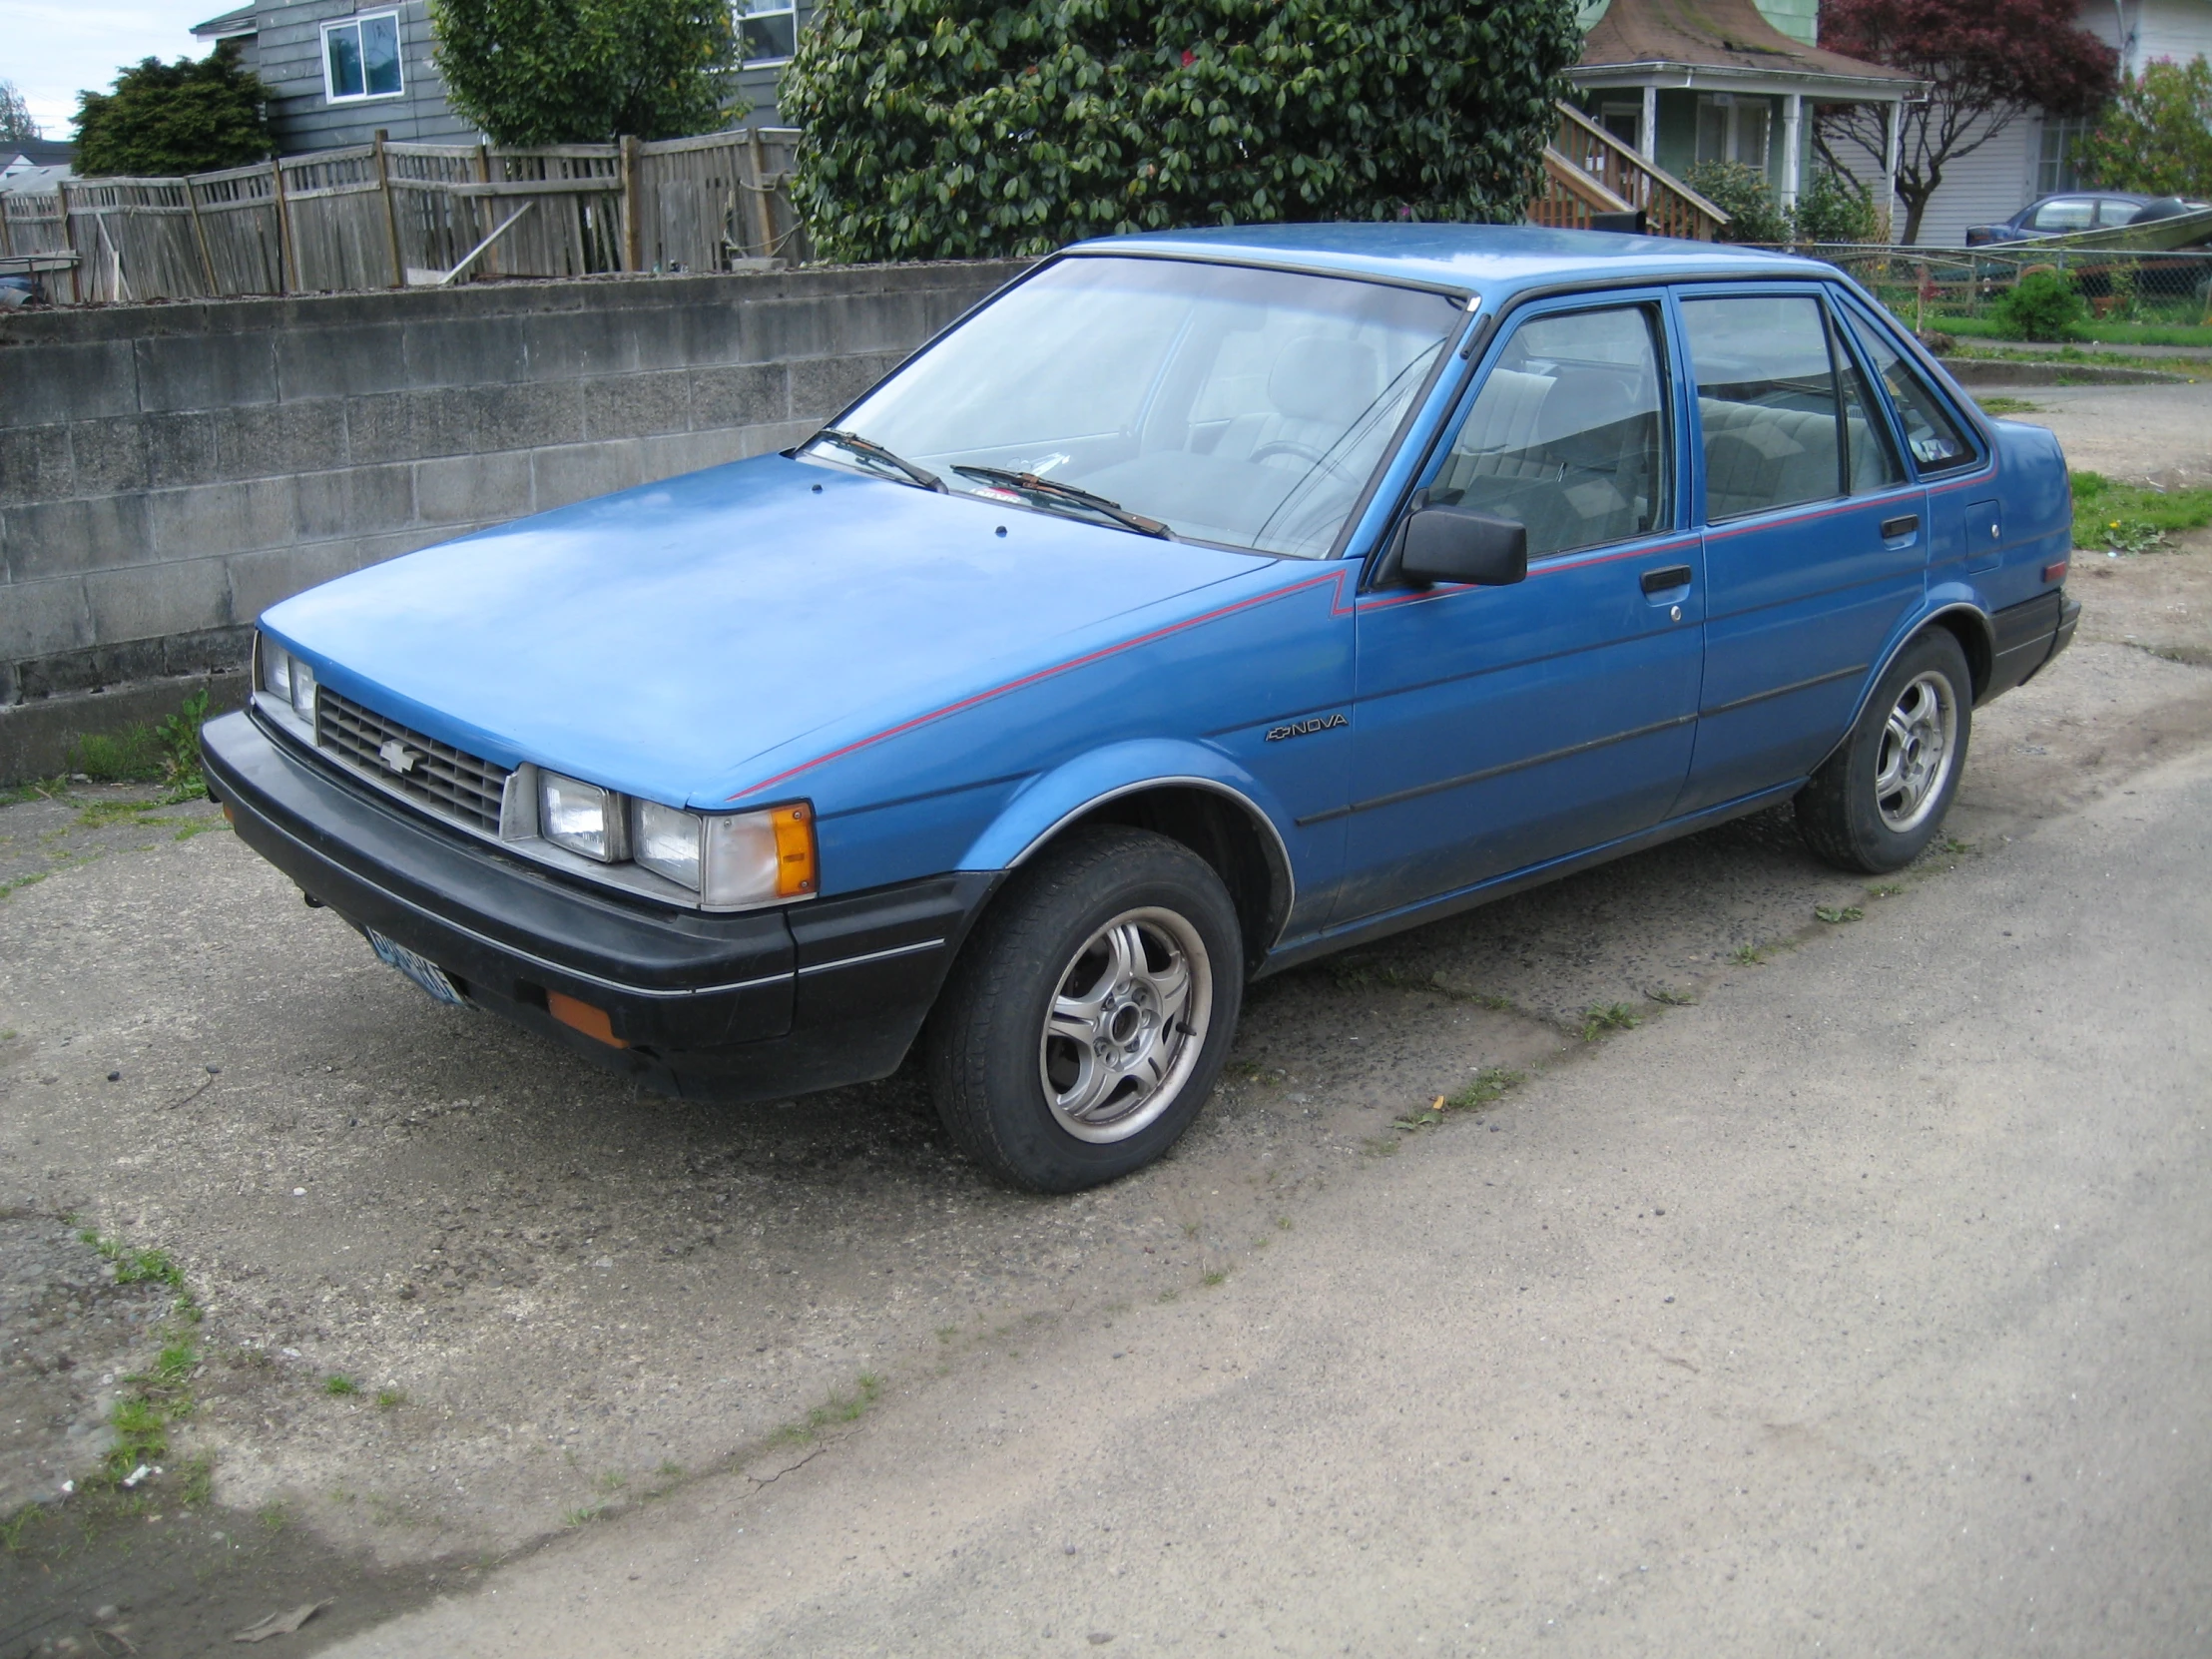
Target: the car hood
(683, 640)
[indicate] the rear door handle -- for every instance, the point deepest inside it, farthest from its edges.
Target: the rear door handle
(1891, 528)
(1665, 577)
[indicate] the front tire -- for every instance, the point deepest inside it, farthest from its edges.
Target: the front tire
(1876, 803)
(1090, 1013)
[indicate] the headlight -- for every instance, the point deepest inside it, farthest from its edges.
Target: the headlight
(582, 817)
(728, 859)
(665, 840)
(276, 668)
(303, 691)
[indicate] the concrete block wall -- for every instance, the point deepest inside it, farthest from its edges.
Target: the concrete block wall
(167, 473)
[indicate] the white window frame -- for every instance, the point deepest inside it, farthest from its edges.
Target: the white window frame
(789, 8)
(330, 94)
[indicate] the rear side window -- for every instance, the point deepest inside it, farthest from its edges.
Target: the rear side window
(1937, 441)
(1766, 388)
(1568, 433)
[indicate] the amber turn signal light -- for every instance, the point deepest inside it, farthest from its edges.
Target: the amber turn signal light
(795, 851)
(582, 1016)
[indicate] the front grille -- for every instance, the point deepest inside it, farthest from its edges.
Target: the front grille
(443, 780)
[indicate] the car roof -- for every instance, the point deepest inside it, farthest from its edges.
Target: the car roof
(1492, 261)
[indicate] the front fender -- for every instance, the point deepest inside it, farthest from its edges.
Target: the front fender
(1056, 798)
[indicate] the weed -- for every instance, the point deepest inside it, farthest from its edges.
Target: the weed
(199, 1481)
(200, 827)
(272, 1517)
(1601, 1017)
(1885, 890)
(1836, 914)
(838, 1409)
(669, 1472)
(1283, 1222)
(168, 752)
(1190, 1230)
(390, 1399)
(30, 881)
(337, 1385)
(1672, 997)
(11, 1529)
(584, 1516)
(945, 1333)
(1747, 955)
(1213, 1278)
(1488, 1085)
(2000, 405)
(612, 1480)
(1953, 845)
(2133, 518)
(98, 814)
(1170, 1294)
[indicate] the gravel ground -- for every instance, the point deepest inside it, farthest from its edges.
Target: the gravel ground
(552, 1298)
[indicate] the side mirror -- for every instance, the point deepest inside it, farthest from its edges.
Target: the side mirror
(1458, 544)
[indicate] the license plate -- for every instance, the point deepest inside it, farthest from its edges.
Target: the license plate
(417, 967)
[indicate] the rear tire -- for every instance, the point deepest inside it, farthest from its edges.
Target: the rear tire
(1876, 803)
(1090, 1012)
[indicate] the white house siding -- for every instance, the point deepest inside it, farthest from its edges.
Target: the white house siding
(1999, 178)
(289, 54)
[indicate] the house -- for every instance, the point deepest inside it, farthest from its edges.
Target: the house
(340, 72)
(45, 159)
(2033, 155)
(1689, 81)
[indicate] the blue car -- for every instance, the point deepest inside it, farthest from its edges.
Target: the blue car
(1203, 603)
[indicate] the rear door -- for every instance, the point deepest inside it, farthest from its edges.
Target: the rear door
(1814, 547)
(1498, 728)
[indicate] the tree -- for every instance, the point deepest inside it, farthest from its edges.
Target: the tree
(164, 118)
(586, 71)
(16, 124)
(1986, 65)
(953, 129)
(2157, 136)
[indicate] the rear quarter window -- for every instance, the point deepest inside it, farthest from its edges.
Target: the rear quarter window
(1939, 438)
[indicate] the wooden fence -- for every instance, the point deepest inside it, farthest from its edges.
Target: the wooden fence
(387, 215)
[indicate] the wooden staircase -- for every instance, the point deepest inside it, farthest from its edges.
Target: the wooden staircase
(1587, 171)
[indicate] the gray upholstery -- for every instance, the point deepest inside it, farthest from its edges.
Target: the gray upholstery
(1322, 380)
(1757, 458)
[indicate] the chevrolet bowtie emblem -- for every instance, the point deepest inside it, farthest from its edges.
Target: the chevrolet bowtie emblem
(397, 756)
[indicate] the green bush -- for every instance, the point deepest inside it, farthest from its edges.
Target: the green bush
(1829, 209)
(588, 71)
(164, 118)
(1741, 193)
(957, 129)
(2042, 305)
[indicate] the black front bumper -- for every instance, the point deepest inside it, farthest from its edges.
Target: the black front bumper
(754, 1006)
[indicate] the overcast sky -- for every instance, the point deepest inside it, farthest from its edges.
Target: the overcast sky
(52, 49)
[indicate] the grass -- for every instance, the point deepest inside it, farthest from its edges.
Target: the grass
(1485, 1088)
(2000, 406)
(340, 1386)
(2180, 369)
(153, 1400)
(1834, 915)
(1601, 1017)
(2119, 517)
(22, 881)
(2103, 332)
(390, 1399)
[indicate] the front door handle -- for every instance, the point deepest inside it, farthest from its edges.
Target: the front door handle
(1891, 528)
(1665, 577)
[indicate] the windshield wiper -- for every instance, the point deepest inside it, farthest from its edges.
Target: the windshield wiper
(870, 449)
(1028, 484)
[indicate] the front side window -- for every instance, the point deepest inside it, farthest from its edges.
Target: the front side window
(1242, 407)
(769, 28)
(1937, 441)
(360, 57)
(1568, 433)
(1766, 390)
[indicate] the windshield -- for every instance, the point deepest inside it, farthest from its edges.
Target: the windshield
(1237, 406)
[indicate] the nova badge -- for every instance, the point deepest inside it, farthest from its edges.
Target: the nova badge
(1306, 728)
(399, 759)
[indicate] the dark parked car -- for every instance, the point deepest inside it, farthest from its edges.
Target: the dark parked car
(1204, 603)
(2074, 211)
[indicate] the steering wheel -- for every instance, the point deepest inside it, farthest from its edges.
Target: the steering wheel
(1282, 446)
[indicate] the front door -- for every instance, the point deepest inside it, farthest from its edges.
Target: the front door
(1499, 728)
(1817, 543)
